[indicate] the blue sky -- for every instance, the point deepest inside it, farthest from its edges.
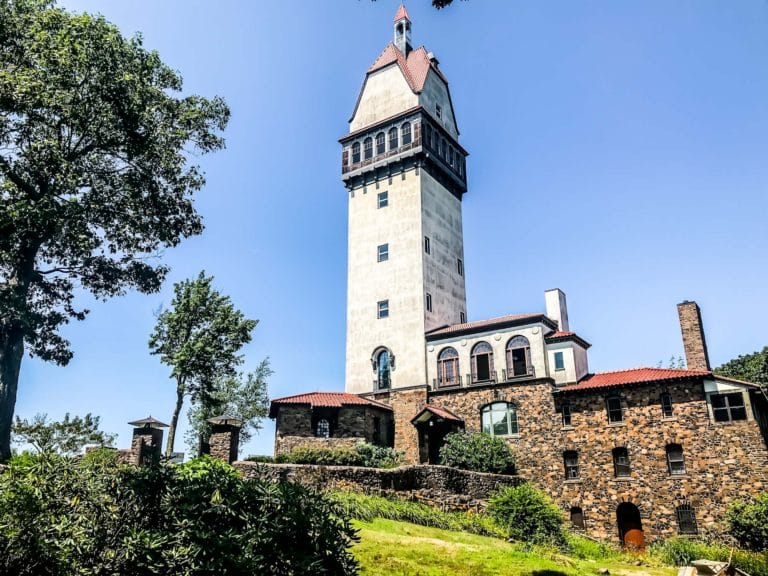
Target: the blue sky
(619, 151)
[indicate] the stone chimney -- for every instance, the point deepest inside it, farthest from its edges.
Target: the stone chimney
(696, 356)
(557, 309)
(147, 441)
(224, 442)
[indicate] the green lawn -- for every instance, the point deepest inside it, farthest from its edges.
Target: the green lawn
(390, 547)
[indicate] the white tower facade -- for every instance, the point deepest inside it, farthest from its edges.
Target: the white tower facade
(405, 173)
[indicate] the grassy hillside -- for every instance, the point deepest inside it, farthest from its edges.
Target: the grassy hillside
(391, 547)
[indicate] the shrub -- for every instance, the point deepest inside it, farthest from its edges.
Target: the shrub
(67, 517)
(478, 452)
(527, 514)
(680, 552)
(323, 456)
(378, 456)
(748, 522)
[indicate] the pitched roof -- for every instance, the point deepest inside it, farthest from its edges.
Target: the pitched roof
(324, 400)
(439, 412)
(560, 336)
(415, 66)
(401, 13)
(481, 325)
(633, 376)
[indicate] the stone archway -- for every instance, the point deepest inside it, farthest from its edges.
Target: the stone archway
(630, 527)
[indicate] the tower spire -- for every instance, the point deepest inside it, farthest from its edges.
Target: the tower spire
(403, 30)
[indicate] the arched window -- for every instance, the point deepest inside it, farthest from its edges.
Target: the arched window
(686, 519)
(323, 429)
(675, 460)
(666, 405)
(518, 357)
(381, 146)
(621, 462)
(577, 517)
(383, 366)
(355, 152)
(499, 419)
(393, 145)
(571, 461)
(448, 368)
(406, 133)
(482, 363)
(368, 148)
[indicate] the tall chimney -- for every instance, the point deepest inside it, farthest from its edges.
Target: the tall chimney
(557, 309)
(696, 356)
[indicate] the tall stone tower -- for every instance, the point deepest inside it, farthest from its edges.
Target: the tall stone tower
(405, 172)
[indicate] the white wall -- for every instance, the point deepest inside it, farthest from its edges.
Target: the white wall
(385, 94)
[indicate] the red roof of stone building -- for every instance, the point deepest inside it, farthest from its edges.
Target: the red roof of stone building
(633, 376)
(477, 325)
(401, 13)
(439, 412)
(415, 66)
(324, 400)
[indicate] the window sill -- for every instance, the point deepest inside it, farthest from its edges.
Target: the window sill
(678, 476)
(573, 481)
(559, 369)
(567, 428)
(623, 479)
(669, 419)
(616, 424)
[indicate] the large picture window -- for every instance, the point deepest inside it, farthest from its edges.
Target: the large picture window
(728, 407)
(499, 419)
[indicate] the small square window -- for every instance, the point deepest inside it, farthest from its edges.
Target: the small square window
(559, 361)
(383, 309)
(429, 302)
(460, 266)
(383, 199)
(427, 247)
(383, 253)
(462, 317)
(613, 405)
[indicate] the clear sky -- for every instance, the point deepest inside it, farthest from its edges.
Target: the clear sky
(618, 151)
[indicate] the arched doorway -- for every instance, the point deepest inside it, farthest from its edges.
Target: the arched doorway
(630, 526)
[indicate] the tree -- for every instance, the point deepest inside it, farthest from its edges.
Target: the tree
(67, 437)
(243, 396)
(199, 337)
(751, 368)
(94, 180)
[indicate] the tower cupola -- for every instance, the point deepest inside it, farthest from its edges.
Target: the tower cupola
(403, 30)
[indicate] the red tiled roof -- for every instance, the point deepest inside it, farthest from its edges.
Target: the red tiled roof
(559, 335)
(401, 13)
(490, 323)
(325, 400)
(633, 376)
(439, 412)
(414, 67)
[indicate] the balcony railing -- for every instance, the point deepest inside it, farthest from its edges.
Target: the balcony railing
(508, 375)
(415, 143)
(446, 382)
(475, 379)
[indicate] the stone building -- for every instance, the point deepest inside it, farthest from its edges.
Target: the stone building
(631, 455)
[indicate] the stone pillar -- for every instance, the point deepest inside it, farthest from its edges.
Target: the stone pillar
(406, 405)
(224, 442)
(146, 446)
(696, 355)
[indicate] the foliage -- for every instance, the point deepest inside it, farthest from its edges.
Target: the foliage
(364, 507)
(677, 363)
(478, 452)
(67, 437)
(199, 337)
(528, 515)
(748, 522)
(585, 548)
(242, 396)
(260, 458)
(680, 552)
(363, 454)
(373, 456)
(66, 517)
(750, 368)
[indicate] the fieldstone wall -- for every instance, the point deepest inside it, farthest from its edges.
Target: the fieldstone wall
(286, 444)
(440, 486)
(406, 404)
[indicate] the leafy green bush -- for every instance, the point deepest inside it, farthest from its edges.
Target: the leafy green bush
(585, 548)
(66, 517)
(366, 508)
(362, 454)
(527, 514)
(478, 452)
(374, 456)
(748, 522)
(680, 552)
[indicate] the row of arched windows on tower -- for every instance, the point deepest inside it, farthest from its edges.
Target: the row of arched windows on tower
(392, 140)
(518, 362)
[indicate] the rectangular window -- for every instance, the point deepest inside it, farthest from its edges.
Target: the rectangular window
(460, 266)
(621, 462)
(686, 520)
(429, 302)
(383, 253)
(613, 405)
(439, 110)
(728, 407)
(383, 309)
(565, 410)
(666, 405)
(559, 361)
(462, 317)
(571, 459)
(427, 247)
(383, 199)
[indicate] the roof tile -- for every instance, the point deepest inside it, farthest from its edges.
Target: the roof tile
(633, 376)
(326, 400)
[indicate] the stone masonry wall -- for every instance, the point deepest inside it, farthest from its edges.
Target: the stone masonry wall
(440, 486)
(406, 404)
(286, 444)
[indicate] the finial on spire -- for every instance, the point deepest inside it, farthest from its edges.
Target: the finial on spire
(402, 30)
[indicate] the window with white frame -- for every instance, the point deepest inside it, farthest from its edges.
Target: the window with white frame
(382, 309)
(499, 419)
(382, 253)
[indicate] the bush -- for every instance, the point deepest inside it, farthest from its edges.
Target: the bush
(748, 522)
(67, 517)
(362, 454)
(680, 552)
(527, 514)
(478, 452)
(378, 456)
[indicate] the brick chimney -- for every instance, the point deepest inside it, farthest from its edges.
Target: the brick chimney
(224, 442)
(696, 356)
(147, 441)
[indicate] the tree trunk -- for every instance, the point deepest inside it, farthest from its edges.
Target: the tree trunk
(11, 353)
(174, 420)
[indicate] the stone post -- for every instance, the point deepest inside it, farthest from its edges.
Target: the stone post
(147, 441)
(224, 442)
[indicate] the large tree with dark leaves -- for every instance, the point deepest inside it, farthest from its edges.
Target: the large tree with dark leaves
(94, 179)
(751, 367)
